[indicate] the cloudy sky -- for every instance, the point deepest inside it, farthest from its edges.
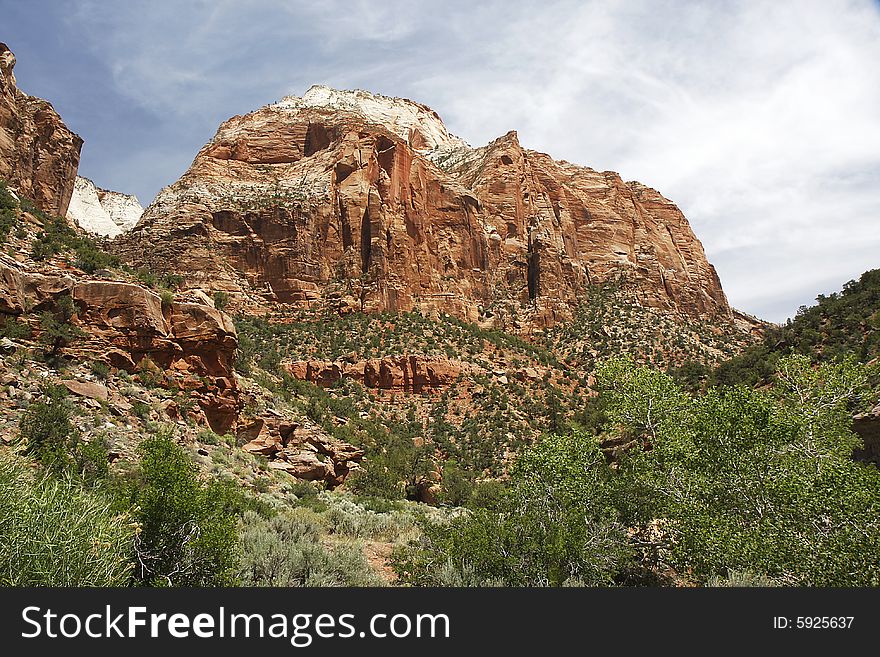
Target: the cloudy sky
(760, 119)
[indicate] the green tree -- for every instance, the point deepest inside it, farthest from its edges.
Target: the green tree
(745, 480)
(553, 526)
(58, 329)
(187, 529)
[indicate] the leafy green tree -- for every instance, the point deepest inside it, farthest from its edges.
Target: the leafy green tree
(553, 526)
(457, 484)
(397, 467)
(58, 329)
(746, 480)
(187, 531)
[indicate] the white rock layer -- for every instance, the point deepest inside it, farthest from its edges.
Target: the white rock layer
(124, 209)
(410, 120)
(100, 211)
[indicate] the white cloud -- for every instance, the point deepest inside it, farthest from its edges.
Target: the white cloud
(760, 119)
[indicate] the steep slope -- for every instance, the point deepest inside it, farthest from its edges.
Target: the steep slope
(362, 202)
(38, 153)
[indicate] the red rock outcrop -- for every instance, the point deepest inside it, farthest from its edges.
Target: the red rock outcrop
(411, 374)
(303, 450)
(39, 155)
(125, 323)
(364, 202)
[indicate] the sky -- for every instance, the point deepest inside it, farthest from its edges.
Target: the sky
(760, 119)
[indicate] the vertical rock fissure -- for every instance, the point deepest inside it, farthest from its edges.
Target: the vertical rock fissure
(346, 227)
(366, 240)
(534, 271)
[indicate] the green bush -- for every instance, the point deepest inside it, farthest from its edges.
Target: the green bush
(167, 298)
(54, 441)
(15, 329)
(57, 327)
(58, 237)
(147, 277)
(7, 200)
(100, 369)
(172, 281)
(140, 409)
(555, 524)
(457, 485)
(90, 258)
(47, 428)
(396, 468)
(286, 550)
(187, 535)
(54, 533)
(221, 299)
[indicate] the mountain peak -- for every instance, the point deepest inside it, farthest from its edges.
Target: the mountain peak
(418, 124)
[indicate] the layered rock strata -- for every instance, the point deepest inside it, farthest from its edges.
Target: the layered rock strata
(362, 202)
(124, 324)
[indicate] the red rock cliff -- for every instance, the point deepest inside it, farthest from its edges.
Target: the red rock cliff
(367, 202)
(39, 155)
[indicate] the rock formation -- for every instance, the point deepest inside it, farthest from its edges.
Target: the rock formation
(302, 449)
(101, 211)
(39, 155)
(363, 202)
(126, 324)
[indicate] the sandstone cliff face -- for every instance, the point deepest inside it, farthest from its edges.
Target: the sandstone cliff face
(39, 155)
(101, 211)
(364, 202)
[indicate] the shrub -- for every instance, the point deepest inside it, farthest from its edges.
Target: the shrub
(286, 550)
(58, 236)
(54, 441)
(457, 485)
(90, 258)
(397, 468)
(147, 277)
(221, 299)
(7, 200)
(167, 297)
(15, 329)
(54, 533)
(140, 409)
(172, 281)
(58, 329)
(100, 369)
(187, 535)
(46, 426)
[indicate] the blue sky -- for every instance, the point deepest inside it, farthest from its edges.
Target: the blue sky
(760, 119)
